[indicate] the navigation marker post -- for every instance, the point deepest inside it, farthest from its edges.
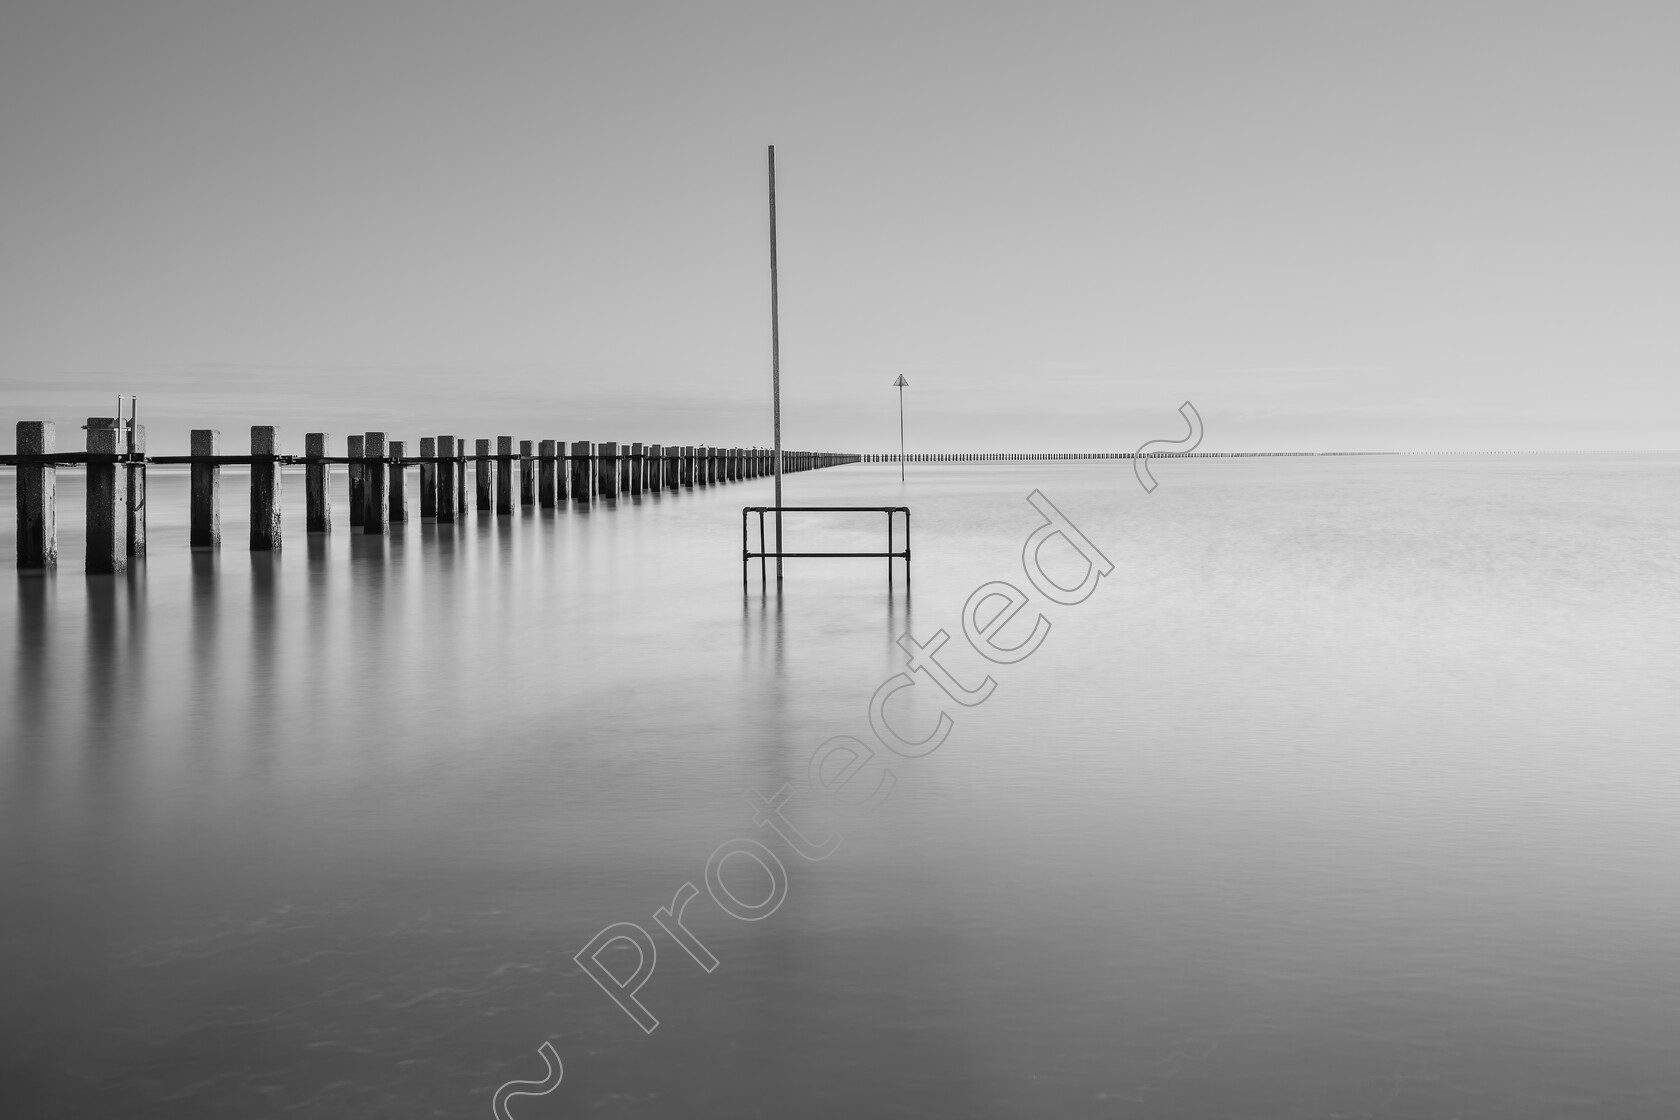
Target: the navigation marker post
(902, 385)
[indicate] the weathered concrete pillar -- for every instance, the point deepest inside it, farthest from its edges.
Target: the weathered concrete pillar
(504, 475)
(136, 468)
(37, 497)
(373, 484)
(428, 478)
(358, 478)
(317, 484)
(265, 488)
(527, 474)
(446, 479)
(545, 473)
(399, 474)
(606, 470)
(107, 487)
(206, 530)
(655, 467)
(484, 477)
(582, 459)
(461, 480)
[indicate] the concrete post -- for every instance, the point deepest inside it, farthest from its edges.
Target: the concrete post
(373, 484)
(428, 479)
(606, 470)
(504, 475)
(461, 480)
(545, 474)
(353, 447)
(582, 454)
(399, 474)
(37, 497)
(484, 477)
(317, 484)
(446, 479)
(655, 467)
(206, 531)
(265, 488)
(106, 497)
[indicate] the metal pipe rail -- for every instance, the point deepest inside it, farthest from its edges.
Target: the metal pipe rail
(747, 555)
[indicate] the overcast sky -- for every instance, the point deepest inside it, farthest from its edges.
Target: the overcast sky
(1329, 226)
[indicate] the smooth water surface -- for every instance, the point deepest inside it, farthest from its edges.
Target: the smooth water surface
(1351, 792)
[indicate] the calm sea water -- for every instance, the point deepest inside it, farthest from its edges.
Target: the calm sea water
(1351, 792)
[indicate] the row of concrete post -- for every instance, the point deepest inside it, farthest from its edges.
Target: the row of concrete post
(549, 474)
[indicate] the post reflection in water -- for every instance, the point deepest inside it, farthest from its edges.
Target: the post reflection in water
(32, 705)
(101, 665)
(265, 705)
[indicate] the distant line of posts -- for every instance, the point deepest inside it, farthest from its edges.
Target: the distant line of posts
(549, 474)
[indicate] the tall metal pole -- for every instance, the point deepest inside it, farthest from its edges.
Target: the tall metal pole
(775, 364)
